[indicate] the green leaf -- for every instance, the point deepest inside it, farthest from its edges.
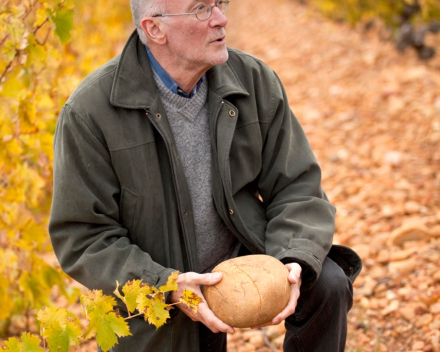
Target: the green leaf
(107, 328)
(12, 345)
(63, 20)
(58, 340)
(60, 328)
(30, 343)
(96, 301)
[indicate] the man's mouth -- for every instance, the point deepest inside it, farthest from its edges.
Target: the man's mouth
(219, 40)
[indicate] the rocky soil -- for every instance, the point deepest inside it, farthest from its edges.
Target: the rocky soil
(372, 116)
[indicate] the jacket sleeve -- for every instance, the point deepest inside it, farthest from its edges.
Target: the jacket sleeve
(88, 238)
(301, 221)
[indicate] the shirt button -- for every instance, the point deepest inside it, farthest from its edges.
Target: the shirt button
(232, 113)
(158, 115)
(231, 212)
(185, 213)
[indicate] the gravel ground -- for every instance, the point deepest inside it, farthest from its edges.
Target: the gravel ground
(372, 116)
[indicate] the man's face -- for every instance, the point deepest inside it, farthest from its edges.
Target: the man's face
(195, 44)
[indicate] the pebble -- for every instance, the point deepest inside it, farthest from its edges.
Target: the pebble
(278, 341)
(424, 320)
(435, 308)
(410, 232)
(392, 307)
(401, 255)
(246, 347)
(418, 345)
(257, 340)
(408, 313)
(274, 331)
(403, 266)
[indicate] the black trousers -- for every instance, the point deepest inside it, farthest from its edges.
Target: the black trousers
(319, 323)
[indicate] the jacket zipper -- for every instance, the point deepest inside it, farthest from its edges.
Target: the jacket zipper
(179, 207)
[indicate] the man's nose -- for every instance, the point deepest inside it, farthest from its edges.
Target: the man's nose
(218, 18)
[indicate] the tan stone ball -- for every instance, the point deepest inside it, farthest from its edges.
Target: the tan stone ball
(253, 290)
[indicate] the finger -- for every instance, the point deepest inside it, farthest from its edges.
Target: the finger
(202, 279)
(212, 322)
(294, 272)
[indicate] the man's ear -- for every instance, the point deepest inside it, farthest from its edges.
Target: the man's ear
(154, 30)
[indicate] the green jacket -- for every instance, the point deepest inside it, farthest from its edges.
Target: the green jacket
(121, 206)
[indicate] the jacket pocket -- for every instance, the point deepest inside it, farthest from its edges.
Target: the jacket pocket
(127, 208)
(347, 259)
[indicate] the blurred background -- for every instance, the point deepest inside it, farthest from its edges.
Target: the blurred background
(363, 78)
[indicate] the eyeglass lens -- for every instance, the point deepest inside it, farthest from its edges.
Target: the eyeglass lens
(204, 12)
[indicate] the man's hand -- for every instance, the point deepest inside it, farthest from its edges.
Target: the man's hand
(295, 284)
(192, 281)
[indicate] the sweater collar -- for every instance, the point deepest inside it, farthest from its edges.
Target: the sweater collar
(134, 86)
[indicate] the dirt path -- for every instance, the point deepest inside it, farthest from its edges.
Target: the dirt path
(372, 116)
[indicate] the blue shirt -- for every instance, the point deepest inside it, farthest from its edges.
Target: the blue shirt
(166, 79)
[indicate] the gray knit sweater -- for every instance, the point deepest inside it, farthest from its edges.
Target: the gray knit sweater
(189, 122)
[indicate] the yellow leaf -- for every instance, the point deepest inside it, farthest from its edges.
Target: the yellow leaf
(27, 114)
(36, 52)
(154, 308)
(171, 284)
(191, 300)
(15, 84)
(131, 290)
(13, 147)
(35, 235)
(5, 298)
(96, 301)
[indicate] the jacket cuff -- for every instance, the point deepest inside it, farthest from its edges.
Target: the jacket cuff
(310, 259)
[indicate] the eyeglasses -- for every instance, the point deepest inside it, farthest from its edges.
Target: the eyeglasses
(202, 12)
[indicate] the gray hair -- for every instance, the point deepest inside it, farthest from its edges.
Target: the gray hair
(144, 8)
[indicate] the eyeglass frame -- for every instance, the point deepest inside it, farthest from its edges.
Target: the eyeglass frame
(195, 13)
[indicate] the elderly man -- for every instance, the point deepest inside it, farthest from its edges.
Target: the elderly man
(181, 153)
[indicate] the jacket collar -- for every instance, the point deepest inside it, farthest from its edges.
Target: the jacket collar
(134, 86)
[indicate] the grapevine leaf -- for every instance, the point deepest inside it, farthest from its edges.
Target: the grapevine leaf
(142, 302)
(107, 327)
(30, 343)
(50, 316)
(131, 290)
(171, 284)
(191, 300)
(96, 301)
(5, 298)
(63, 20)
(154, 308)
(60, 328)
(12, 345)
(58, 340)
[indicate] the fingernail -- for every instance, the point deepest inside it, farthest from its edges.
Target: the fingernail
(217, 276)
(276, 322)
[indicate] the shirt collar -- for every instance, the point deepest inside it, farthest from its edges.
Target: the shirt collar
(167, 80)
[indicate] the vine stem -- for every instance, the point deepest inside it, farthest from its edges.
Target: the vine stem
(133, 316)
